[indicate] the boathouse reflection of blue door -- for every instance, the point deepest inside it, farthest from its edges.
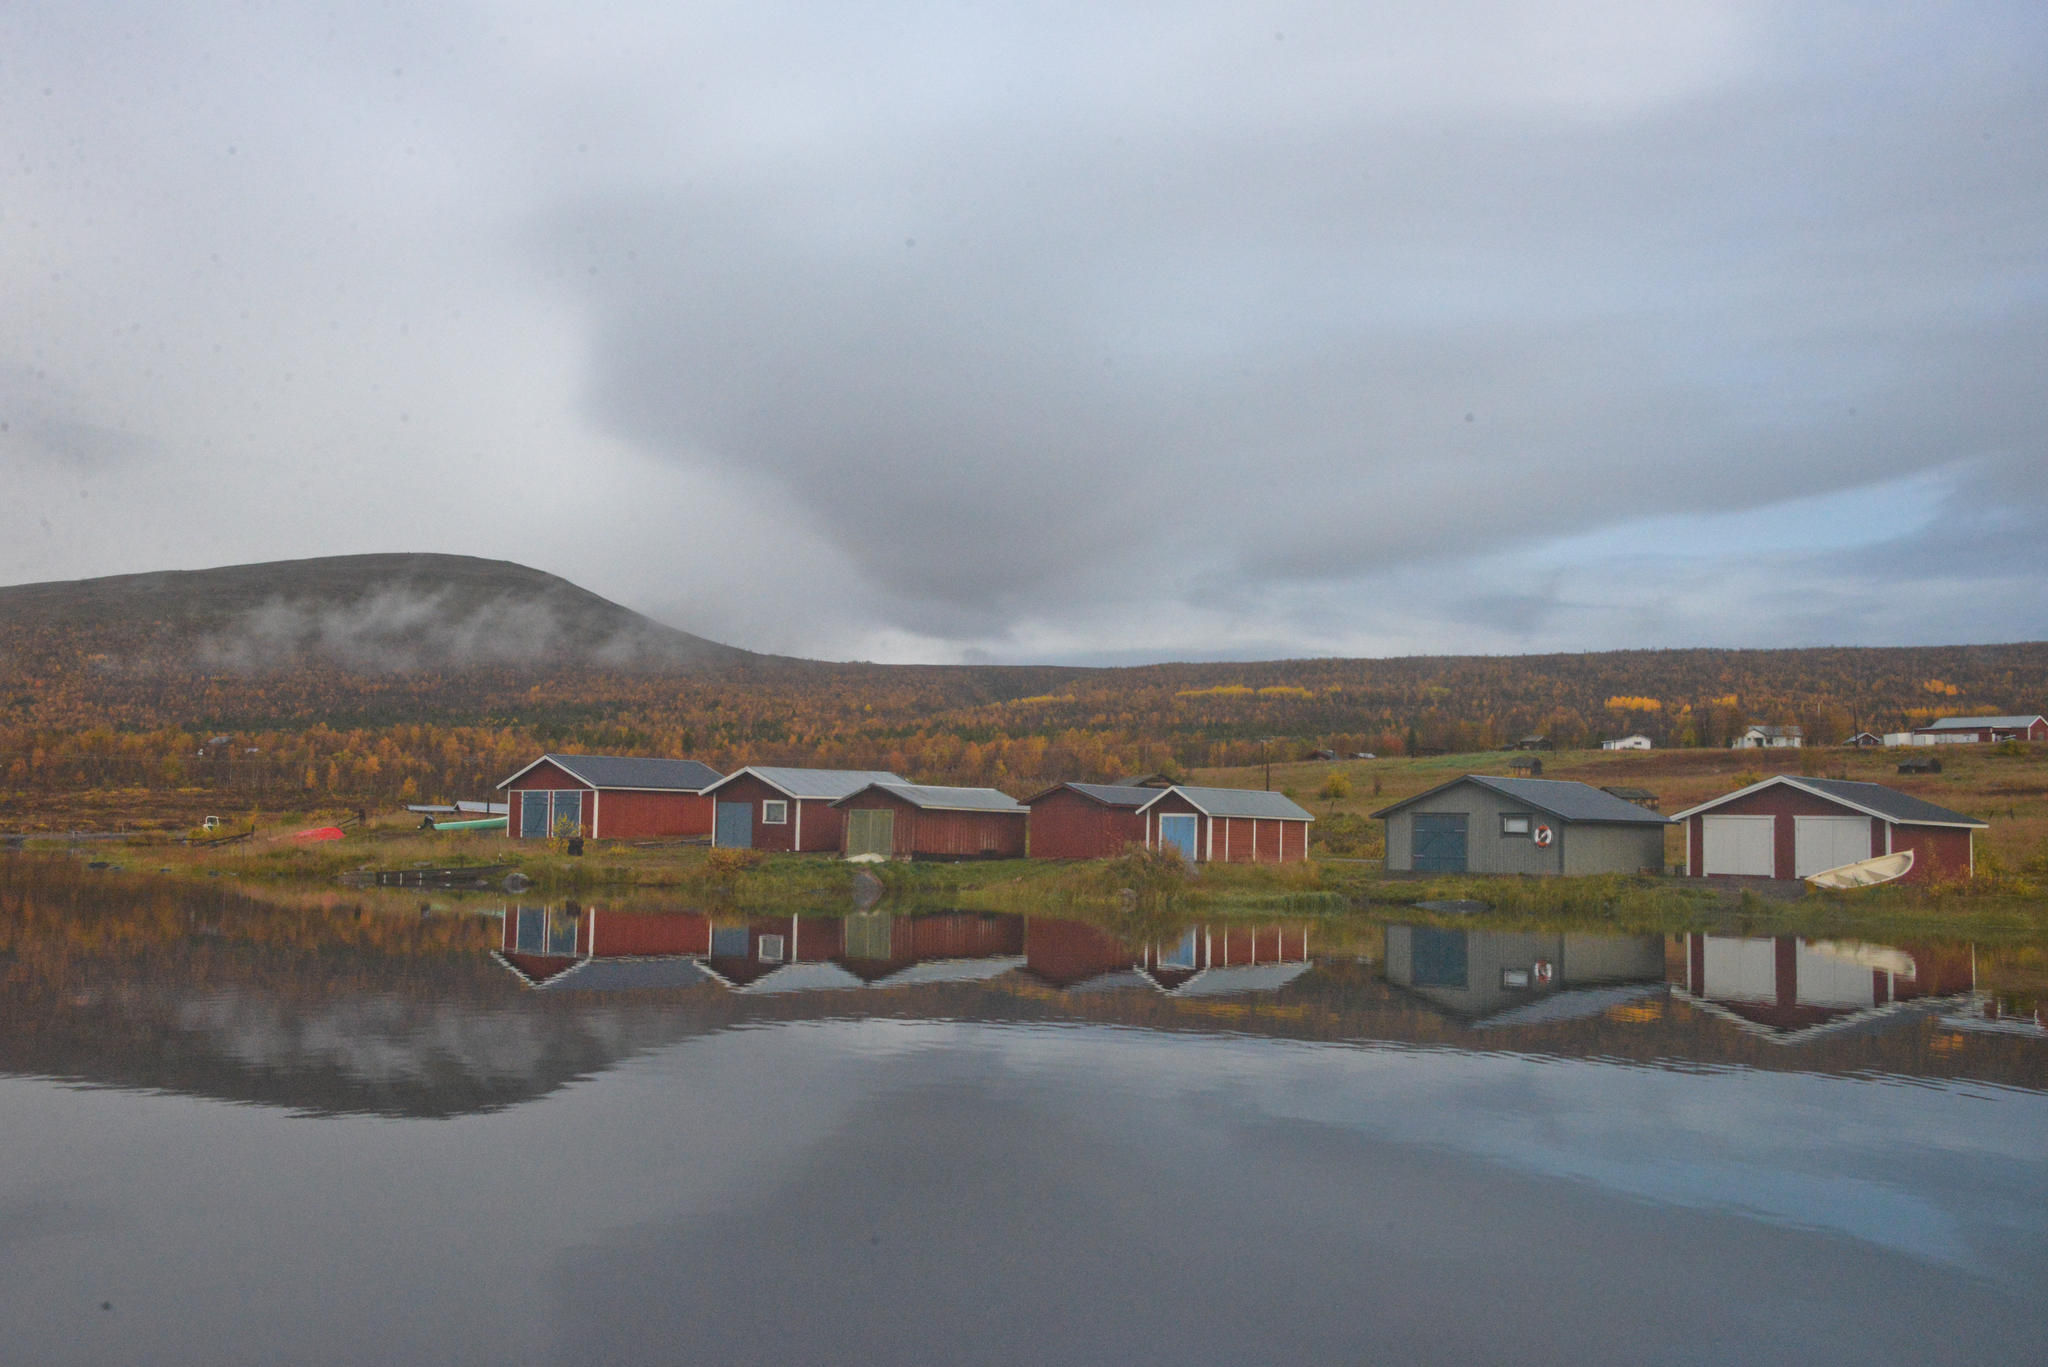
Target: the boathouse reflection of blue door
(1439, 842)
(1179, 831)
(735, 826)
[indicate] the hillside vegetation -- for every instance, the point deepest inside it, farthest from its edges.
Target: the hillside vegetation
(375, 677)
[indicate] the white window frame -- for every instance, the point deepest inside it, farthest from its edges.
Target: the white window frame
(1528, 821)
(774, 812)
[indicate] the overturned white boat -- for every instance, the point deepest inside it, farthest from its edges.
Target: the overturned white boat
(1865, 872)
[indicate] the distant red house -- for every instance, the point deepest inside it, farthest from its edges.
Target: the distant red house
(786, 810)
(1790, 826)
(609, 797)
(914, 820)
(1981, 730)
(1209, 825)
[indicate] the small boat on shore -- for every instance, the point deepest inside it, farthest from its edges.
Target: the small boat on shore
(1864, 873)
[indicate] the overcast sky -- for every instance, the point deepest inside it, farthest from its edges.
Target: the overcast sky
(1052, 331)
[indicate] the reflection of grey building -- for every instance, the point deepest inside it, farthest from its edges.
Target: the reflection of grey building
(1482, 824)
(1486, 973)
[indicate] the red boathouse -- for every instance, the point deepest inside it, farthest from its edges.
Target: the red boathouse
(786, 810)
(918, 821)
(1208, 825)
(609, 797)
(1789, 826)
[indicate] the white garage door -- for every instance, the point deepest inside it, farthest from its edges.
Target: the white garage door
(1828, 842)
(1740, 844)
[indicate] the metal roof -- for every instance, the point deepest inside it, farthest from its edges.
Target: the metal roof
(946, 799)
(827, 784)
(1109, 794)
(810, 976)
(1251, 802)
(1980, 723)
(629, 771)
(951, 971)
(1872, 799)
(1561, 798)
(1224, 982)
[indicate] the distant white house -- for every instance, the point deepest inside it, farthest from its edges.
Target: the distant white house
(1770, 738)
(1637, 741)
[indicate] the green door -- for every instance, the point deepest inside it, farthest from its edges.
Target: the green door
(870, 832)
(1439, 842)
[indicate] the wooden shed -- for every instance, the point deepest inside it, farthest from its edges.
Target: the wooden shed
(609, 797)
(1087, 820)
(1791, 826)
(786, 810)
(1220, 825)
(918, 821)
(1483, 824)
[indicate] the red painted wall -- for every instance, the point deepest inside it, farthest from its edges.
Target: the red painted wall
(1941, 852)
(958, 835)
(620, 933)
(823, 827)
(545, 777)
(1067, 825)
(627, 815)
(1065, 953)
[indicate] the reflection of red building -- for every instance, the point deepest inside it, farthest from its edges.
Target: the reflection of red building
(1069, 954)
(1787, 988)
(579, 947)
(542, 943)
(1200, 961)
(1214, 960)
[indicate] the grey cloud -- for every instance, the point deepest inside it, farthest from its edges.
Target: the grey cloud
(1218, 356)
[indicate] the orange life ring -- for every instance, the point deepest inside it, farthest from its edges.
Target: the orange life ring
(1543, 837)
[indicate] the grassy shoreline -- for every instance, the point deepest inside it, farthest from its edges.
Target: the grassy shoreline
(1994, 909)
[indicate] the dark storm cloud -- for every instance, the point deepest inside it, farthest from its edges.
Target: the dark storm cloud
(996, 365)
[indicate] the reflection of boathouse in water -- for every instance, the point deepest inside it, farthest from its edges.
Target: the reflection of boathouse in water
(1494, 978)
(1200, 961)
(586, 948)
(1789, 990)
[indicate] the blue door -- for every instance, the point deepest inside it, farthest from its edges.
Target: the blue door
(533, 816)
(1439, 842)
(734, 826)
(1179, 831)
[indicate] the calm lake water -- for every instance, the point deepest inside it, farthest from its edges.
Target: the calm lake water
(329, 1130)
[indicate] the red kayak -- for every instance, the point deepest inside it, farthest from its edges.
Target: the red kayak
(320, 833)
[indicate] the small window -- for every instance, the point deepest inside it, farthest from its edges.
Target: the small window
(1515, 823)
(770, 949)
(775, 814)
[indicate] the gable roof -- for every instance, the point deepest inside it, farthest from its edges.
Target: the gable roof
(1108, 794)
(1981, 723)
(934, 799)
(629, 771)
(1872, 799)
(827, 784)
(1244, 802)
(1793, 730)
(1561, 798)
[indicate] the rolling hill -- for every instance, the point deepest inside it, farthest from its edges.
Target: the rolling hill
(369, 675)
(370, 614)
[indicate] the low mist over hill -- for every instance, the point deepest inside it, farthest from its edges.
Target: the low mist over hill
(362, 675)
(370, 614)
